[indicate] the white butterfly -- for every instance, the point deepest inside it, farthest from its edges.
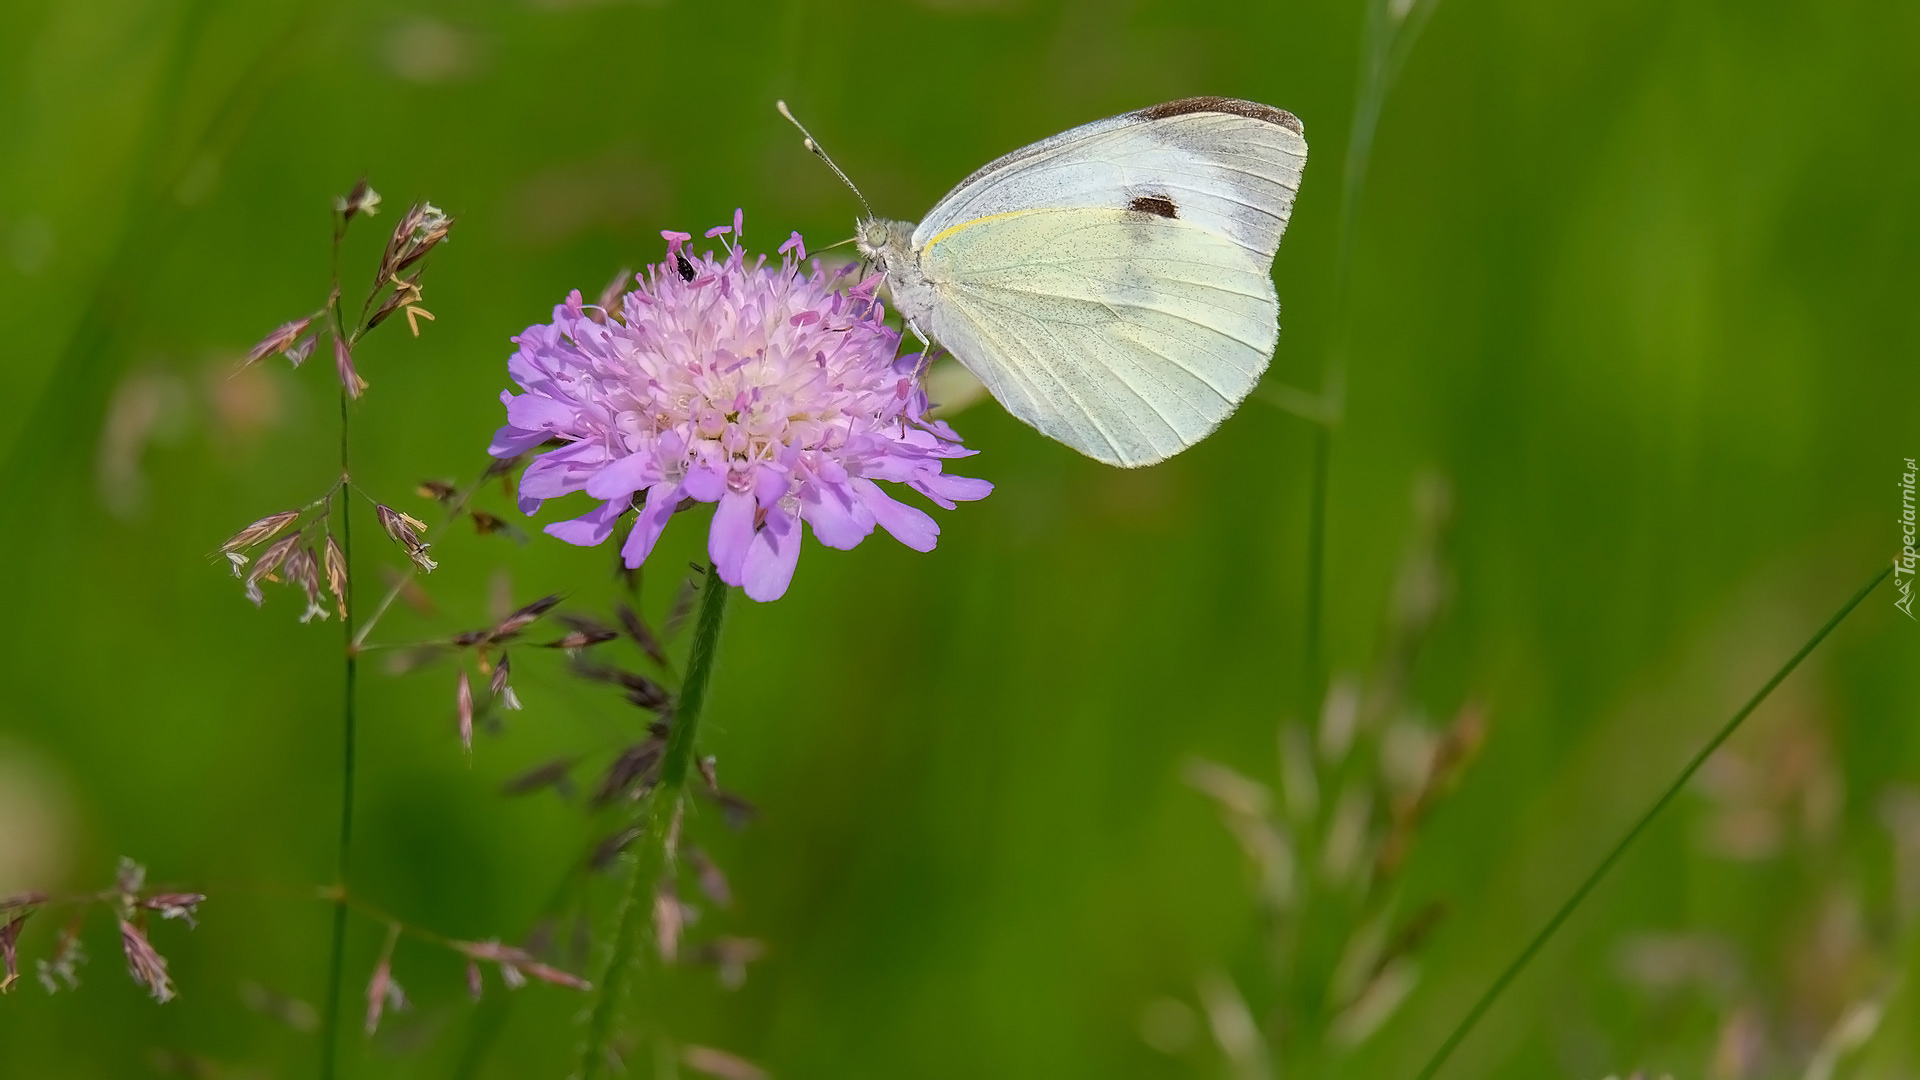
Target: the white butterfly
(1110, 285)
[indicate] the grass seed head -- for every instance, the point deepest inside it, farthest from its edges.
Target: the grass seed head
(642, 635)
(297, 353)
(713, 882)
(524, 617)
(147, 967)
(669, 919)
(260, 531)
(183, 906)
(362, 199)
(438, 490)
(9, 959)
(63, 968)
(336, 565)
(343, 366)
(463, 704)
(282, 339)
(548, 774)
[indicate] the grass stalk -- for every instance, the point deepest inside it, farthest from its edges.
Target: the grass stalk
(1376, 46)
(1385, 45)
(637, 904)
(330, 1027)
(1633, 834)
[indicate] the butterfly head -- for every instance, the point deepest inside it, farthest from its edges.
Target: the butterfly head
(889, 246)
(884, 242)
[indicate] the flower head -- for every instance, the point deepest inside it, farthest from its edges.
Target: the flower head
(771, 391)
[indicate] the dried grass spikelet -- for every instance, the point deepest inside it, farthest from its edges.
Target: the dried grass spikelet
(260, 531)
(336, 566)
(350, 378)
(500, 688)
(361, 199)
(63, 967)
(285, 338)
(9, 939)
(383, 992)
(147, 966)
(720, 1064)
(729, 957)
(669, 919)
(405, 530)
(463, 705)
(268, 562)
(517, 965)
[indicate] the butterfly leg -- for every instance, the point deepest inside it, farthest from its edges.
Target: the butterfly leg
(927, 351)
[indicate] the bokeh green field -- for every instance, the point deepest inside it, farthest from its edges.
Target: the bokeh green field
(1637, 278)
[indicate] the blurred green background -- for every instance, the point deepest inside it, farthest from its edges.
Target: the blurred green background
(1637, 278)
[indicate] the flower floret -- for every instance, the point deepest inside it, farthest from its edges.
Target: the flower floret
(774, 391)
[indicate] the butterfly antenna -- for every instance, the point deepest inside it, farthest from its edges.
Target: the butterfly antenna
(813, 147)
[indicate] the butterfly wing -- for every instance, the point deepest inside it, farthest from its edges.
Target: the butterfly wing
(1126, 335)
(1110, 285)
(1229, 166)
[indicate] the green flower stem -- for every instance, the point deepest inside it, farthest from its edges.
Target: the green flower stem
(1580, 894)
(637, 906)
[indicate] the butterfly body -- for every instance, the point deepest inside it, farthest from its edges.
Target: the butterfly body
(1110, 285)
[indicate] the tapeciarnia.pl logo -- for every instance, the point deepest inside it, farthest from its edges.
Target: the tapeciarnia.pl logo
(1903, 562)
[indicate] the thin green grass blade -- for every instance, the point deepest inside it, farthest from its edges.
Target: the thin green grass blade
(1560, 917)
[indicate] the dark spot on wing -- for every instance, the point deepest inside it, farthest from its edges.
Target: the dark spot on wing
(1252, 110)
(1158, 205)
(685, 267)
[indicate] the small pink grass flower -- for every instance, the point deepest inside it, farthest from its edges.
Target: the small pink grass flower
(774, 392)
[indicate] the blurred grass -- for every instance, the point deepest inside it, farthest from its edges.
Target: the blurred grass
(1635, 276)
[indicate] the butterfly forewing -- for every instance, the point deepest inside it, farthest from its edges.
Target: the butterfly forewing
(1231, 167)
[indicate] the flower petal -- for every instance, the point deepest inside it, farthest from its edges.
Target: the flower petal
(839, 519)
(592, 527)
(705, 483)
(662, 500)
(731, 535)
(772, 557)
(947, 490)
(531, 412)
(510, 441)
(625, 476)
(770, 483)
(909, 526)
(559, 472)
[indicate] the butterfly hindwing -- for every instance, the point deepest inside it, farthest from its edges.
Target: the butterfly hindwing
(1126, 334)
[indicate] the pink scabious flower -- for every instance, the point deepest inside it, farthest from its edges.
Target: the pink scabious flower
(771, 391)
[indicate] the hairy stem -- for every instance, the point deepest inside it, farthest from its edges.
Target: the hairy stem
(330, 1028)
(637, 904)
(1540, 939)
(693, 690)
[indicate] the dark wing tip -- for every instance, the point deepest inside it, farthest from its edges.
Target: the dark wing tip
(1252, 110)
